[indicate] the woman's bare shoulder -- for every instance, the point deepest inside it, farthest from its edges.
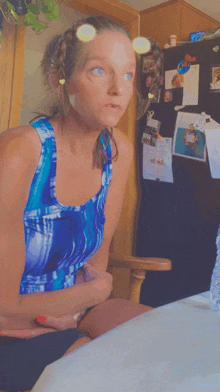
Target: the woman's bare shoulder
(19, 155)
(21, 131)
(20, 141)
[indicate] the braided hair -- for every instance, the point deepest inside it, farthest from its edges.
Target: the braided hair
(61, 56)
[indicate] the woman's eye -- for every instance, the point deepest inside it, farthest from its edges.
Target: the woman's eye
(129, 76)
(97, 71)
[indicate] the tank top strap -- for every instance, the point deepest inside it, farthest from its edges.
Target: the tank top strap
(107, 166)
(43, 129)
(39, 194)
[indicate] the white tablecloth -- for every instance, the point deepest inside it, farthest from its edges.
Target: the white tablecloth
(174, 348)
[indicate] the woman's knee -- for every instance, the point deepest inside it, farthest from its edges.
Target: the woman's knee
(109, 314)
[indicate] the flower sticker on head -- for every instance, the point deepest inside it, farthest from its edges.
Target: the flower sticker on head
(141, 45)
(86, 32)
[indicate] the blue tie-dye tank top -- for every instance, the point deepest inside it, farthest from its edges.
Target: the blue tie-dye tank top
(59, 239)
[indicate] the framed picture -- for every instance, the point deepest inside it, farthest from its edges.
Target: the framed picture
(151, 131)
(148, 64)
(150, 136)
(168, 95)
(215, 79)
(149, 80)
(173, 79)
(189, 142)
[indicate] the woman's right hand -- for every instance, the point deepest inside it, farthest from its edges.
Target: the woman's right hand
(102, 279)
(92, 273)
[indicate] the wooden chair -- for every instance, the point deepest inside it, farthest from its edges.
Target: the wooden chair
(129, 273)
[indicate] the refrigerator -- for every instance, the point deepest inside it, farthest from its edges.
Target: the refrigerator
(179, 220)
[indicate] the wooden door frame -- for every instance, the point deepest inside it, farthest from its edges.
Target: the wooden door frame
(11, 76)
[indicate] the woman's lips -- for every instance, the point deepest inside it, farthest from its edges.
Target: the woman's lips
(113, 106)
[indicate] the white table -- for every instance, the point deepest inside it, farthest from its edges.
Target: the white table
(174, 348)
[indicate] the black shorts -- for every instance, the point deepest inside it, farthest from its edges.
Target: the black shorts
(23, 360)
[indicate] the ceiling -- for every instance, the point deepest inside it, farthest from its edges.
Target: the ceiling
(210, 7)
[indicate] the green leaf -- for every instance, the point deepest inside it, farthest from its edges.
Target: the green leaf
(38, 26)
(32, 8)
(44, 8)
(29, 17)
(52, 12)
(31, 20)
(52, 15)
(12, 9)
(10, 6)
(51, 4)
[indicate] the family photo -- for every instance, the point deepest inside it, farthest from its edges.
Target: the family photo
(189, 141)
(215, 79)
(148, 64)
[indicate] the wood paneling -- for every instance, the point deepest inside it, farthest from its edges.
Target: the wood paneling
(111, 8)
(160, 22)
(19, 54)
(192, 19)
(11, 74)
(6, 73)
(174, 17)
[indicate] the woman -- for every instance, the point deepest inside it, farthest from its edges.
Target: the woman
(176, 81)
(55, 234)
(190, 141)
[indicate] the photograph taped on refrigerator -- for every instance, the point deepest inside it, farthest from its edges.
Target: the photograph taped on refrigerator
(189, 142)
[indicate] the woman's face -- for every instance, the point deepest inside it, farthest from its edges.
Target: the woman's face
(149, 81)
(178, 78)
(104, 75)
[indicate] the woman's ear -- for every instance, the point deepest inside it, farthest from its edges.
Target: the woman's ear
(54, 81)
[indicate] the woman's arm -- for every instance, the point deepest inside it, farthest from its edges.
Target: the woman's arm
(50, 323)
(19, 155)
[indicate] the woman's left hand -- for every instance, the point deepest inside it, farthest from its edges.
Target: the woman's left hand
(51, 324)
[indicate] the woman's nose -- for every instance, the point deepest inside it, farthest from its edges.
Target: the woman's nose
(116, 86)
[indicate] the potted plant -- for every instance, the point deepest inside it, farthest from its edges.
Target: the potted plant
(27, 12)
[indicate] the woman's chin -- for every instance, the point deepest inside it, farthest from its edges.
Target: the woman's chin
(101, 121)
(111, 121)
(105, 124)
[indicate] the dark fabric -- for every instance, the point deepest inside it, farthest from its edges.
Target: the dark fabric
(23, 360)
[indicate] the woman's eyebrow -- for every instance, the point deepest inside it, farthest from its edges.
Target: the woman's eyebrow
(89, 58)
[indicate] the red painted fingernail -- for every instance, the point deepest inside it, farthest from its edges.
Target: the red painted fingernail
(41, 319)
